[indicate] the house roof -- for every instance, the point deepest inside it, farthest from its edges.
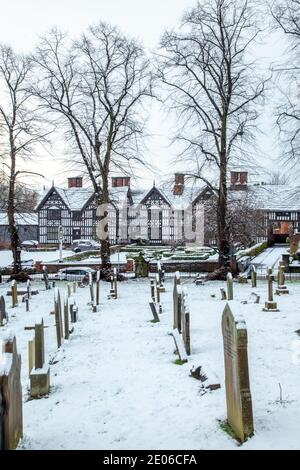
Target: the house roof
(276, 198)
(21, 219)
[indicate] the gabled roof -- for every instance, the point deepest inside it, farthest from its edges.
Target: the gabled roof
(282, 198)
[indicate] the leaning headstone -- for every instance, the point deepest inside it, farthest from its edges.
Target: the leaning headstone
(154, 311)
(14, 294)
(238, 394)
(282, 288)
(270, 305)
(11, 390)
(185, 322)
(3, 313)
(40, 374)
(229, 287)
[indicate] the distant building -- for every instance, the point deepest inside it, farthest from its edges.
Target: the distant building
(27, 225)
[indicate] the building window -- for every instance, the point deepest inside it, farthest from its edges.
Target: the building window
(53, 214)
(52, 234)
(77, 216)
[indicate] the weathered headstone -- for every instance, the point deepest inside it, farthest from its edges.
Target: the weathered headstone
(58, 317)
(25, 299)
(270, 305)
(185, 322)
(46, 278)
(254, 277)
(152, 288)
(14, 294)
(91, 284)
(28, 288)
(116, 282)
(177, 296)
(66, 316)
(98, 288)
(11, 389)
(154, 311)
(73, 310)
(3, 313)
(238, 394)
(229, 287)
(40, 374)
(282, 288)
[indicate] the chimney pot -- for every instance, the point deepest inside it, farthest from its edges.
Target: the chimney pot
(75, 182)
(120, 181)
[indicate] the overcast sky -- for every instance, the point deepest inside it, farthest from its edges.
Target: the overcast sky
(21, 21)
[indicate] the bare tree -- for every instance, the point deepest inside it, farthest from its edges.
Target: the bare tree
(19, 131)
(25, 197)
(286, 16)
(278, 178)
(214, 88)
(96, 88)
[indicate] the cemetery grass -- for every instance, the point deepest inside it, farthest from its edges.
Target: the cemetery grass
(115, 384)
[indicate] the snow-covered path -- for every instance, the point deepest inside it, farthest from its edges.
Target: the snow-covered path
(270, 258)
(115, 384)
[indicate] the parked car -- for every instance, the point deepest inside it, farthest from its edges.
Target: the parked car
(29, 244)
(75, 274)
(87, 245)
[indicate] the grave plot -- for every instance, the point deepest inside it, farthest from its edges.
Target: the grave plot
(115, 384)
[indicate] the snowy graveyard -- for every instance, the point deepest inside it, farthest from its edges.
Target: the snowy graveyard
(116, 382)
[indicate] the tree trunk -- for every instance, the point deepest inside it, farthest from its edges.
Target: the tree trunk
(105, 249)
(223, 231)
(13, 231)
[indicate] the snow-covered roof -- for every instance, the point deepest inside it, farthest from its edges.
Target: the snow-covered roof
(21, 219)
(271, 197)
(75, 198)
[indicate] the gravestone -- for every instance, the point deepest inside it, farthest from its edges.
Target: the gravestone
(185, 322)
(116, 283)
(154, 311)
(73, 310)
(254, 278)
(66, 316)
(46, 278)
(11, 389)
(282, 288)
(58, 317)
(223, 294)
(40, 373)
(29, 289)
(152, 288)
(229, 287)
(98, 288)
(177, 301)
(238, 394)
(14, 294)
(91, 284)
(270, 305)
(3, 313)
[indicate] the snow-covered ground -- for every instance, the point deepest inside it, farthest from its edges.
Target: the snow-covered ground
(115, 384)
(43, 256)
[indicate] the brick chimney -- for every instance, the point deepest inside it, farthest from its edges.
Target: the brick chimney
(75, 182)
(239, 180)
(178, 184)
(120, 181)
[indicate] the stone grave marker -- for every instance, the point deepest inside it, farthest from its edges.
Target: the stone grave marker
(270, 305)
(116, 283)
(58, 317)
(185, 322)
(229, 287)
(11, 389)
(152, 288)
(177, 296)
(66, 316)
(254, 278)
(46, 278)
(3, 313)
(282, 288)
(238, 394)
(40, 373)
(154, 311)
(14, 294)
(91, 284)
(98, 288)
(223, 294)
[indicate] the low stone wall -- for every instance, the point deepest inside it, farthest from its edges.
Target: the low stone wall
(185, 266)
